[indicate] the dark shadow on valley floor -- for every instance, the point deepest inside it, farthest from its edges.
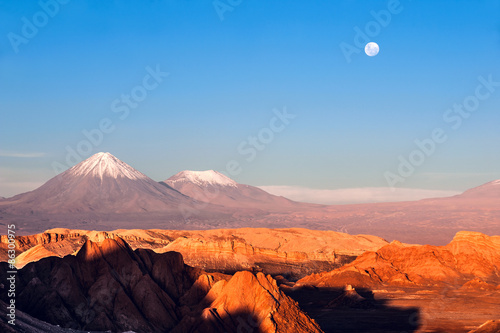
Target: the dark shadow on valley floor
(338, 311)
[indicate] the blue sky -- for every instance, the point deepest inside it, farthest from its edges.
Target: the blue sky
(354, 119)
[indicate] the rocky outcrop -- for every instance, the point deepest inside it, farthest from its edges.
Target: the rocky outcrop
(108, 286)
(491, 326)
(468, 256)
(26, 242)
(350, 299)
(478, 284)
(259, 307)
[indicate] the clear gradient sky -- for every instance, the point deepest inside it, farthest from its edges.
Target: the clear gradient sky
(226, 76)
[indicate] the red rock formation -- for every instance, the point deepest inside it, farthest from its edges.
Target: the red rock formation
(108, 286)
(469, 255)
(260, 306)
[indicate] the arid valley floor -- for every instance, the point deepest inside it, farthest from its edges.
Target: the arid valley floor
(91, 280)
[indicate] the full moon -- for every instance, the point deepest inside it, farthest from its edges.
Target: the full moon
(371, 49)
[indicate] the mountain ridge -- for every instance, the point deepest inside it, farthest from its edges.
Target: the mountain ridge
(104, 194)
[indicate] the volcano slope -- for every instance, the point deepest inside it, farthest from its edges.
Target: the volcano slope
(108, 286)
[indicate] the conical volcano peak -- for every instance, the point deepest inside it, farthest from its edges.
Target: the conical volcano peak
(103, 155)
(105, 165)
(202, 178)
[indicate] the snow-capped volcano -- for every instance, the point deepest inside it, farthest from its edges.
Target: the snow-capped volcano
(101, 183)
(213, 187)
(201, 178)
(106, 165)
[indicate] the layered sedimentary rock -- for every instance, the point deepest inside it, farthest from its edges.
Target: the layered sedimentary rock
(292, 252)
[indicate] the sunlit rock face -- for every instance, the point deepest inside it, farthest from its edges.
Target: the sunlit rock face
(108, 286)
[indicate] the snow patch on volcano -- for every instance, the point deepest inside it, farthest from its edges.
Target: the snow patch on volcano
(105, 165)
(202, 178)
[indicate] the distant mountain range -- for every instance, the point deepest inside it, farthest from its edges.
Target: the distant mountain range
(104, 184)
(104, 193)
